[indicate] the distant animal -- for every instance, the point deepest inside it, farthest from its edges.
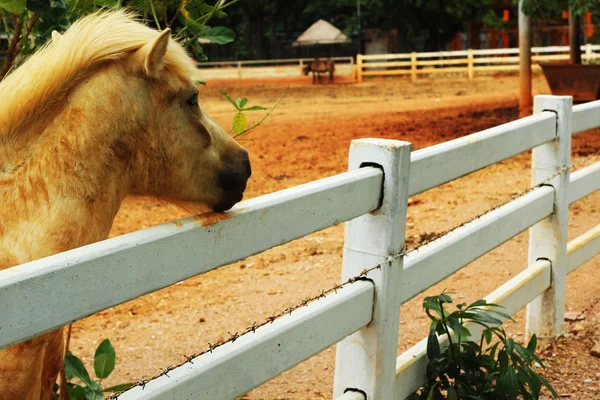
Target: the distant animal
(106, 110)
(319, 66)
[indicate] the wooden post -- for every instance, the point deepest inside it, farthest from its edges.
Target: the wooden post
(548, 238)
(588, 52)
(413, 66)
(359, 68)
(574, 37)
(366, 360)
(239, 68)
(470, 65)
(524, 62)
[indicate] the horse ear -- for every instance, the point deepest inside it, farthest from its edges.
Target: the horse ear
(56, 36)
(155, 53)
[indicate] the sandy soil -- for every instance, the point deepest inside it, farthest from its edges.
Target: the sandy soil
(305, 139)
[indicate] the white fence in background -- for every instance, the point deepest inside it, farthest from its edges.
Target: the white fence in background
(263, 69)
(468, 62)
(363, 316)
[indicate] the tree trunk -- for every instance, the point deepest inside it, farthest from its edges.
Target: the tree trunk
(574, 37)
(525, 93)
(11, 53)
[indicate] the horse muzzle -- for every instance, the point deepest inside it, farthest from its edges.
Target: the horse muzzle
(232, 180)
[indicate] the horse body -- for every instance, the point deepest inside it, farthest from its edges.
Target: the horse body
(101, 123)
(319, 66)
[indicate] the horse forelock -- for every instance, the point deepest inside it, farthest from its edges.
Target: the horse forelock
(34, 89)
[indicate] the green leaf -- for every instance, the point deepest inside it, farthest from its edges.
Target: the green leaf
(433, 345)
(241, 102)
(104, 364)
(488, 336)
(451, 393)
(444, 298)
(14, 6)
(503, 361)
(510, 346)
(41, 7)
(93, 394)
(74, 367)
(433, 392)
(254, 108)
(104, 359)
(195, 27)
(513, 383)
(118, 388)
(240, 123)
(219, 35)
(230, 100)
(532, 343)
(545, 382)
(200, 83)
(479, 303)
(458, 328)
(76, 392)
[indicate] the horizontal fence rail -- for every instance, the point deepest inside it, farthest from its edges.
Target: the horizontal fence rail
(586, 116)
(260, 69)
(444, 162)
(238, 367)
(443, 257)
(37, 297)
(462, 61)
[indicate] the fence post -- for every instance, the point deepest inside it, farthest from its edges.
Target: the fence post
(470, 65)
(359, 67)
(366, 360)
(413, 66)
(588, 52)
(548, 238)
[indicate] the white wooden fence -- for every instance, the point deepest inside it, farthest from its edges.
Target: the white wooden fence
(468, 62)
(261, 69)
(363, 316)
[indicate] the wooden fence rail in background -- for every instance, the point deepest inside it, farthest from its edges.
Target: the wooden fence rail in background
(468, 62)
(264, 69)
(362, 315)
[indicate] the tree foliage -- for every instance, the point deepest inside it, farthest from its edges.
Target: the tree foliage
(542, 9)
(28, 24)
(421, 24)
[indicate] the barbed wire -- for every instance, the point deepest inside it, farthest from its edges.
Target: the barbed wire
(361, 276)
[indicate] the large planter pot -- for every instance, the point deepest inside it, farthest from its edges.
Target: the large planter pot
(577, 80)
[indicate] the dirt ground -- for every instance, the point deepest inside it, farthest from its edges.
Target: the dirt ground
(305, 139)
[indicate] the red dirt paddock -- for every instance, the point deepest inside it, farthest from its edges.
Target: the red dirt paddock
(306, 138)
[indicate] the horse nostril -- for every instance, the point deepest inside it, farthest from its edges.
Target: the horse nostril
(235, 178)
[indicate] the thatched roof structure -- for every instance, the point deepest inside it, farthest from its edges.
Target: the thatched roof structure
(321, 32)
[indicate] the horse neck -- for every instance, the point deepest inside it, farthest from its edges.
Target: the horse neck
(70, 181)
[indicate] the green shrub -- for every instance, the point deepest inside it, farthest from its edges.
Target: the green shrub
(466, 369)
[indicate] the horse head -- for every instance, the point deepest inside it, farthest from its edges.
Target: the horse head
(306, 69)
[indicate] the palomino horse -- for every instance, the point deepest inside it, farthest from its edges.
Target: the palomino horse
(318, 66)
(106, 110)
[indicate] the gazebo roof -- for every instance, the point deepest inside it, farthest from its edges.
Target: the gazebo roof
(321, 32)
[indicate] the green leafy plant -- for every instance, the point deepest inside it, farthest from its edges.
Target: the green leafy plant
(89, 389)
(239, 125)
(28, 24)
(467, 369)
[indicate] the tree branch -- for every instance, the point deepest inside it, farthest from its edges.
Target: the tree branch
(11, 53)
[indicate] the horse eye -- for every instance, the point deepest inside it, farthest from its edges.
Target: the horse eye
(193, 101)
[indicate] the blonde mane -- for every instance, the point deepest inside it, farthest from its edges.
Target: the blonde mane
(33, 90)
